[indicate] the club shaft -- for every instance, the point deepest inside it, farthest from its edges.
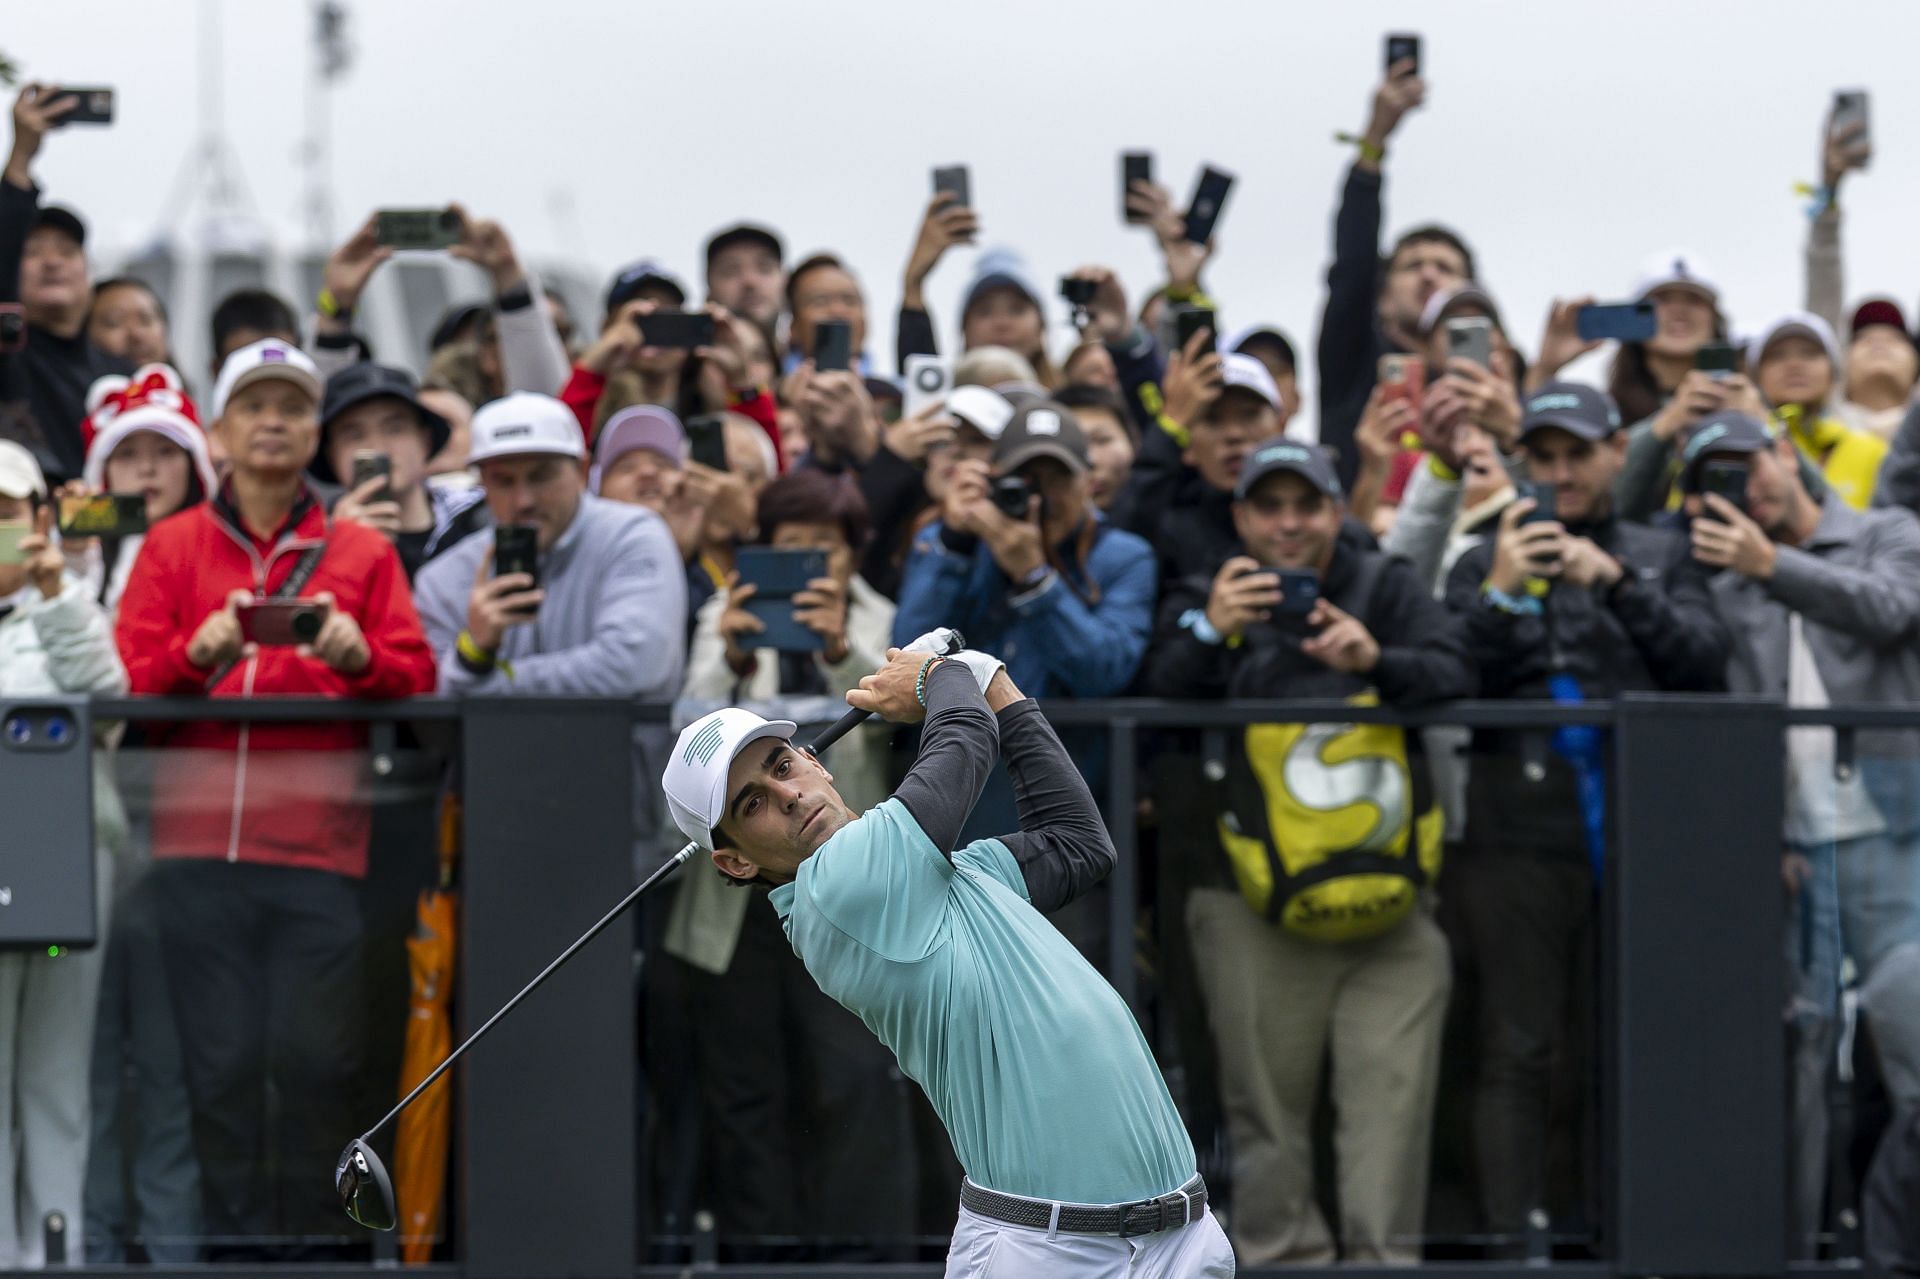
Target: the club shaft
(671, 865)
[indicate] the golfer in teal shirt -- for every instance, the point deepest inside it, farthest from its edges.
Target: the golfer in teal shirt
(1076, 1161)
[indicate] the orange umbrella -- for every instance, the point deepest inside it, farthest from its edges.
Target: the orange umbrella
(420, 1142)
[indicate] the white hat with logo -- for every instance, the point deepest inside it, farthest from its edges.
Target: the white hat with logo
(696, 775)
(525, 422)
(266, 360)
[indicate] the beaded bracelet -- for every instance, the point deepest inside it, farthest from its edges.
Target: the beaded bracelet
(920, 684)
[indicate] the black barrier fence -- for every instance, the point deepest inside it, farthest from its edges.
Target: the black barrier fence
(558, 1164)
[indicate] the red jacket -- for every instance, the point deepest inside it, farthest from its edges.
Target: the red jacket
(286, 794)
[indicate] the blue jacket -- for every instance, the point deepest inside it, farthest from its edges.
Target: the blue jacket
(1053, 642)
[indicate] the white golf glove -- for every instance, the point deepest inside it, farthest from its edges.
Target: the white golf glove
(983, 665)
(943, 641)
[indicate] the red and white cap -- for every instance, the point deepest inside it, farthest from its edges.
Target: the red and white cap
(153, 399)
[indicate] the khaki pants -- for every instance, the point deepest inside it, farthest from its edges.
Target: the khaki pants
(1277, 1005)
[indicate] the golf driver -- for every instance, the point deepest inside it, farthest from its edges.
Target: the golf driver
(366, 1192)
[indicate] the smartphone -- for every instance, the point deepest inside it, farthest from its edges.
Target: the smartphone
(280, 623)
(370, 464)
(952, 180)
(707, 440)
(102, 515)
(1189, 322)
(1616, 322)
(1545, 509)
(1011, 496)
(1849, 109)
(1209, 200)
(516, 549)
(1135, 166)
(13, 327)
(1718, 360)
(1728, 480)
(1299, 591)
(929, 379)
(95, 106)
(417, 228)
(1403, 377)
(1471, 339)
(11, 535)
(832, 346)
(1402, 45)
(778, 575)
(680, 330)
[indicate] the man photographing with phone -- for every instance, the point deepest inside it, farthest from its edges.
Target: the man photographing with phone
(1822, 601)
(1302, 612)
(1077, 1163)
(47, 365)
(1582, 606)
(598, 607)
(256, 593)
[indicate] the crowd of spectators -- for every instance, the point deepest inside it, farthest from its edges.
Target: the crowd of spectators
(733, 499)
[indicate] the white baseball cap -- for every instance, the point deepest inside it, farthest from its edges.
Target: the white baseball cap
(696, 776)
(985, 410)
(1248, 374)
(525, 422)
(1795, 323)
(259, 361)
(20, 475)
(1676, 268)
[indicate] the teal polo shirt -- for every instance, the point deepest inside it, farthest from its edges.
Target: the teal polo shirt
(1034, 1063)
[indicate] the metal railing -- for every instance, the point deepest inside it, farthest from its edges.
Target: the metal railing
(1693, 1176)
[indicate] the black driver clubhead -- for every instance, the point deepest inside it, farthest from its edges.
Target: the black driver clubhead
(366, 1192)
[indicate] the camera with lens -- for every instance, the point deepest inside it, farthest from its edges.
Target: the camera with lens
(1076, 291)
(1010, 496)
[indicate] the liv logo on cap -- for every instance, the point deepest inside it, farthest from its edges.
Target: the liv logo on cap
(702, 745)
(1043, 422)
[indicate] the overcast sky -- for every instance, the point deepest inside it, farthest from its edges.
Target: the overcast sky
(1567, 140)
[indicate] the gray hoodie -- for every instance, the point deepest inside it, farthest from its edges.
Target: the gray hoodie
(613, 623)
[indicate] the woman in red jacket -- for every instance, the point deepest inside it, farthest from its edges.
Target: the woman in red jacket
(260, 830)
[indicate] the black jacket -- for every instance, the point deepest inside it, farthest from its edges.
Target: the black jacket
(1423, 648)
(43, 389)
(1351, 342)
(1656, 630)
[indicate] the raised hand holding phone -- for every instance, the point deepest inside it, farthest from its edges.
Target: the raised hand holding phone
(1243, 593)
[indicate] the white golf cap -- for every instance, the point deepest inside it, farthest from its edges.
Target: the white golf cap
(525, 422)
(260, 361)
(985, 410)
(1794, 323)
(696, 776)
(1676, 268)
(1248, 374)
(20, 475)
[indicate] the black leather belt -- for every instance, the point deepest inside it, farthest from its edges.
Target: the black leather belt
(1168, 1212)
